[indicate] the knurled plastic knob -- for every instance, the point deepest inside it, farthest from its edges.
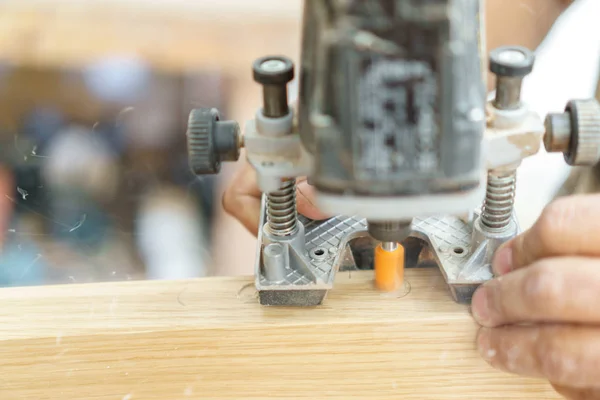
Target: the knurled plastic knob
(211, 141)
(584, 148)
(273, 70)
(511, 61)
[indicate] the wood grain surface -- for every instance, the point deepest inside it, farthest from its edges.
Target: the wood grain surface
(210, 339)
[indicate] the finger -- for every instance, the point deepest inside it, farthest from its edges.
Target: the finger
(247, 212)
(305, 197)
(242, 198)
(245, 182)
(577, 394)
(553, 290)
(6, 189)
(564, 354)
(567, 227)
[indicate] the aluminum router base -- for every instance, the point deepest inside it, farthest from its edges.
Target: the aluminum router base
(329, 246)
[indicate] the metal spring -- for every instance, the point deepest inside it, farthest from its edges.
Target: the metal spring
(281, 209)
(499, 199)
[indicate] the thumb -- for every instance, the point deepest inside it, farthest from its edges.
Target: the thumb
(569, 226)
(305, 198)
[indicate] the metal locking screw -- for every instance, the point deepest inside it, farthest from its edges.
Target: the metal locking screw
(510, 64)
(274, 73)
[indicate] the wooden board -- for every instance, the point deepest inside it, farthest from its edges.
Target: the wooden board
(210, 339)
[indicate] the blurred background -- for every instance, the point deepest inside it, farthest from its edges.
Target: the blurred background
(94, 98)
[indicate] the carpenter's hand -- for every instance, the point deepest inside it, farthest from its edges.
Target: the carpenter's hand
(541, 316)
(6, 204)
(242, 199)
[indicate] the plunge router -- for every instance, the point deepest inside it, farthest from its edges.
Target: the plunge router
(394, 130)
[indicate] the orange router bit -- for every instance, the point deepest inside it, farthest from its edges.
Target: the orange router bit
(389, 266)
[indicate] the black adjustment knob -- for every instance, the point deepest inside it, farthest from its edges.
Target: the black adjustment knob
(274, 73)
(512, 61)
(575, 133)
(211, 141)
(510, 64)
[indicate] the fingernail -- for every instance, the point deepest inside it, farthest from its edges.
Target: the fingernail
(480, 305)
(502, 263)
(484, 344)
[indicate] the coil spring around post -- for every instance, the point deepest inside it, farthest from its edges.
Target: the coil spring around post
(281, 209)
(499, 199)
